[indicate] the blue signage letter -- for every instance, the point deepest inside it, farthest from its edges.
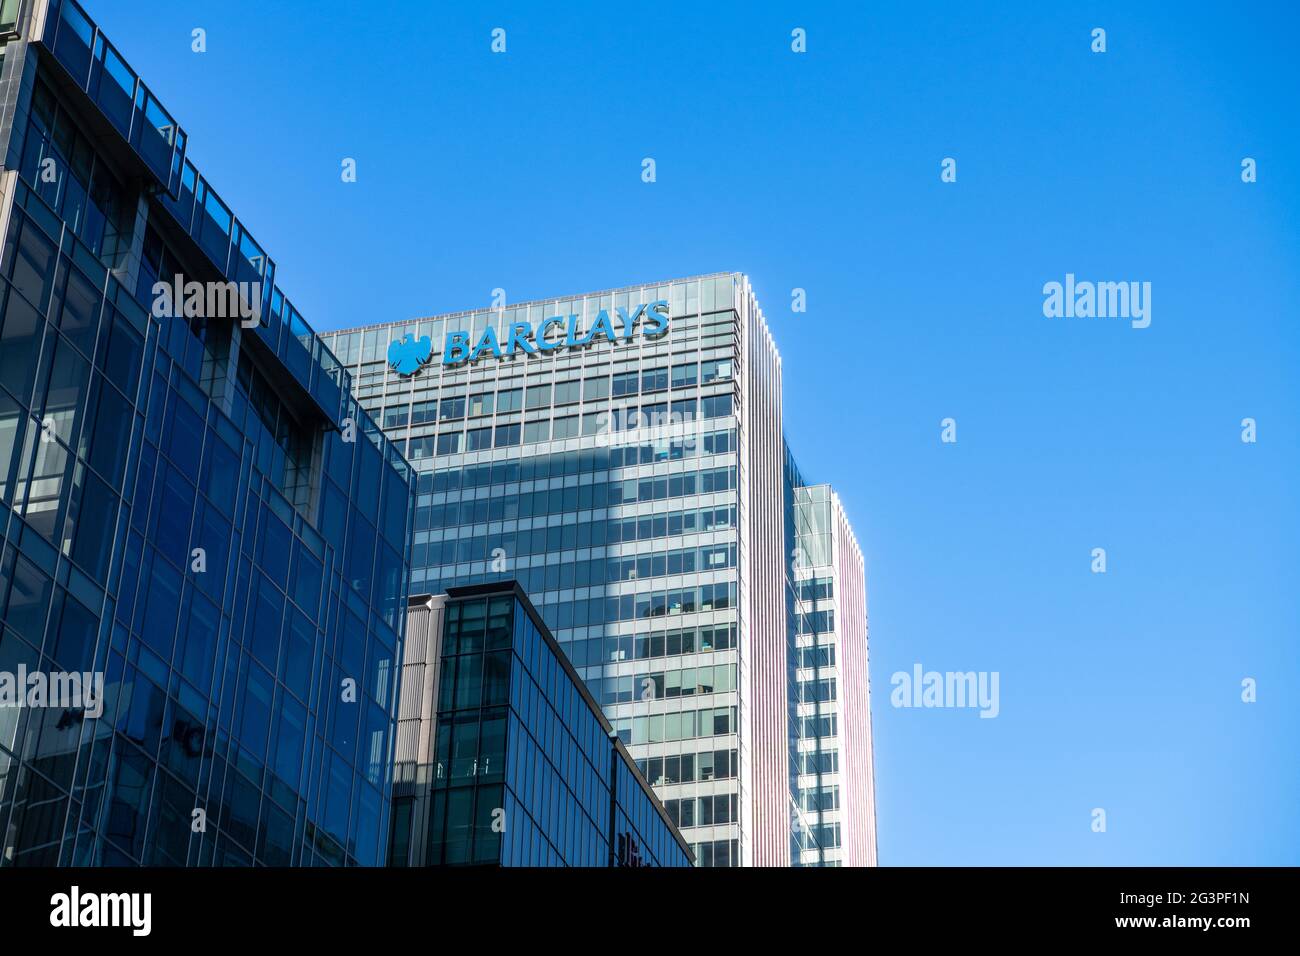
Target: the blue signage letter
(658, 315)
(543, 343)
(487, 341)
(629, 321)
(519, 333)
(456, 348)
(603, 326)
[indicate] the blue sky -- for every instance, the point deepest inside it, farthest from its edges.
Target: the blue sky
(822, 171)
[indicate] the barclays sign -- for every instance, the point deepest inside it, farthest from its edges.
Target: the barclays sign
(408, 354)
(557, 333)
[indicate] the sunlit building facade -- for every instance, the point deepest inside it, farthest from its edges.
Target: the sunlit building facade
(621, 454)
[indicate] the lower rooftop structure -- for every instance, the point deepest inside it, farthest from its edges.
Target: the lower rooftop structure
(503, 758)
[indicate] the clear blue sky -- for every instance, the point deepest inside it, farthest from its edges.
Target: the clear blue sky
(821, 171)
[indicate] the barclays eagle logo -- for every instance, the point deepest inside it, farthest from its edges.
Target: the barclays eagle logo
(408, 353)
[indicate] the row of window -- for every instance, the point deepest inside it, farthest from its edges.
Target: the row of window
(688, 768)
(816, 622)
(596, 461)
(717, 853)
(706, 597)
(824, 835)
(562, 615)
(636, 567)
(822, 655)
(817, 799)
(684, 682)
(594, 572)
(657, 379)
(818, 691)
(671, 525)
(703, 811)
(704, 482)
(566, 537)
(822, 725)
(474, 680)
(815, 589)
(548, 395)
(819, 761)
(595, 651)
(686, 725)
(509, 434)
(566, 501)
(577, 534)
(662, 415)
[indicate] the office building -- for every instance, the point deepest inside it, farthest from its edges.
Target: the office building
(835, 823)
(503, 756)
(194, 509)
(622, 455)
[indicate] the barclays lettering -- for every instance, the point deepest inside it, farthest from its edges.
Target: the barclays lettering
(557, 333)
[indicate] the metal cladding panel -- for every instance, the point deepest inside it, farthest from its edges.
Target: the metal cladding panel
(859, 833)
(763, 591)
(413, 746)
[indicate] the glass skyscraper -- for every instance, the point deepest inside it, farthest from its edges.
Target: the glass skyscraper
(194, 508)
(622, 455)
(503, 757)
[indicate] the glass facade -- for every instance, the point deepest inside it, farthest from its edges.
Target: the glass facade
(524, 768)
(636, 486)
(195, 512)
